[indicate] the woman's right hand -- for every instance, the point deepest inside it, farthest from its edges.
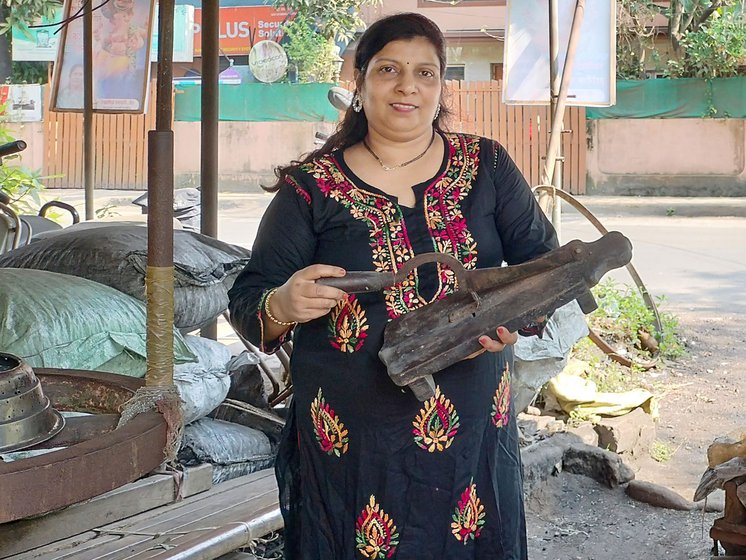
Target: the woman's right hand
(301, 299)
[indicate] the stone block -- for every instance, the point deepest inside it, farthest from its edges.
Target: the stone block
(601, 465)
(586, 432)
(631, 434)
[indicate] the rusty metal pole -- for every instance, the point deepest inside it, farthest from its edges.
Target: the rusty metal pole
(88, 153)
(160, 271)
(209, 129)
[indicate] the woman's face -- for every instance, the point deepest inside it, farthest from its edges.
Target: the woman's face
(401, 88)
(76, 78)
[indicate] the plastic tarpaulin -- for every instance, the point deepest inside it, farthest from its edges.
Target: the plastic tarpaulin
(679, 98)
(260, 102)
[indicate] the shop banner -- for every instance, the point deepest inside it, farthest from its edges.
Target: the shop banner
(241, 28)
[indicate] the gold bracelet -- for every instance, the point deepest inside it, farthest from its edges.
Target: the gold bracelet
(269, 313)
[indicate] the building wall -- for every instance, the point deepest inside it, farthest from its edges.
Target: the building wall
(672, 157)
(470, 32)
(248, 153)
(33, 134)
(450, 19)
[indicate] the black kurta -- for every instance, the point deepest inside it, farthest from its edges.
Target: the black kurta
(365, 470)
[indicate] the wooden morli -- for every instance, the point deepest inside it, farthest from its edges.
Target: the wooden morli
(425, 341)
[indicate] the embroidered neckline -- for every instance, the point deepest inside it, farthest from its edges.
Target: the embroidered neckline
(337, 158)
(389, 239)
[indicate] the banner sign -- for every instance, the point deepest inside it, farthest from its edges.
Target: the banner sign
(22, 102)
(121, 66)
(526, 66)
(241, 28)
(37, 44)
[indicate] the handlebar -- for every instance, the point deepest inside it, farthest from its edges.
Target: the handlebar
(12, 148)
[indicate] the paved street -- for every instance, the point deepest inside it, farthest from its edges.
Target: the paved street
(696, 256)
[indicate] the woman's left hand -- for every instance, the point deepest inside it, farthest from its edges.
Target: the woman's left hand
(504, 338)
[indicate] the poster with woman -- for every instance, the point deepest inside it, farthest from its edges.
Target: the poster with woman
(121, 69)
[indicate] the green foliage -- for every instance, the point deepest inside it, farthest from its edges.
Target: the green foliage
(335, 19)
(21, 184)
(708, 38)
(661, 452)
(715, 50)
(309, 51)
(22, 12)
(622, 316)
(29, 73)
(635, 37)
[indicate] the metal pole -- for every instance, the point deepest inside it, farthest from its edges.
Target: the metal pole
(160, 275)
(209, 129)
(225, 539)
(554, 88)
(556, 134)
(88, 153)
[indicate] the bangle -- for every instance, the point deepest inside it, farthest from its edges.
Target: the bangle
(269, 313)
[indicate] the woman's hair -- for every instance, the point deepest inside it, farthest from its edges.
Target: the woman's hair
(354, 126)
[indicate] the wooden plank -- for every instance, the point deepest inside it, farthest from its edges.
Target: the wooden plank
(517, 136)
(98, 143)
(544, 139)
(503, 119)
(466, 116)
(494, 110)
(65, 133)
(209, 509)
(130, 499)
(106, 157)
(567, 152)
(126, 140)
(77, 158)
(480, 113)
(116, 142)
(527, 134)
(582, 150)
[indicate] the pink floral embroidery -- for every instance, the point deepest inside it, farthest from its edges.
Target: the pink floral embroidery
(445, 220)
(331, 434)
(437, 424)
(348, 326)
(501, 401)
(389, 240)
(298, 189)
(468, 518)
(375, 532)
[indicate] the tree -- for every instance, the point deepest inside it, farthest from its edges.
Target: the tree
(19, 12)
(715, 50)
(706, 36)
(334, 19)
(313, 34)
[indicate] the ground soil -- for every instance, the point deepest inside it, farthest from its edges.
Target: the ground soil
(573, 517)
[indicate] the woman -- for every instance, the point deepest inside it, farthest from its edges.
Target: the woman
(365, 470)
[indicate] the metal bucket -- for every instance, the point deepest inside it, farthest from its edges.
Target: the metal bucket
(26, 415)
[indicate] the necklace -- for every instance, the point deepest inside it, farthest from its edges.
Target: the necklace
(386, 167)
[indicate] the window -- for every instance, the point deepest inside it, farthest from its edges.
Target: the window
(454, 72)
